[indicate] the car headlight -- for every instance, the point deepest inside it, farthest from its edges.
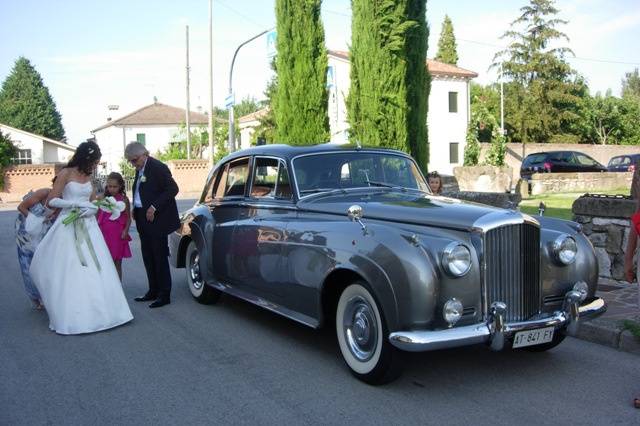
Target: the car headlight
(565, 249)
(452, 311)
(456, 259)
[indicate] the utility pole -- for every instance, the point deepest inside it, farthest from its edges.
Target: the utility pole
(211, 83)
(188, 113)
(501, 100)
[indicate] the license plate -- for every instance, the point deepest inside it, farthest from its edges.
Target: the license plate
(533, 337)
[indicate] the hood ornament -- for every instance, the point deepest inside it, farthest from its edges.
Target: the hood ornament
(355, 213)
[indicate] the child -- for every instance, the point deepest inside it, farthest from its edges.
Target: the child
(435, 183)
(116, 232)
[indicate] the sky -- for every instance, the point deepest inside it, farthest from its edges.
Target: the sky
(92, 54)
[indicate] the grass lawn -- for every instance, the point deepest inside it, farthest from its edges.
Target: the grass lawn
(559, 205)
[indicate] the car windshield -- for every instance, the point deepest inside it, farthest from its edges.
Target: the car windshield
(343, 170)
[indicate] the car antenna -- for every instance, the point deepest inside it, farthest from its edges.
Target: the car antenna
(358, 144)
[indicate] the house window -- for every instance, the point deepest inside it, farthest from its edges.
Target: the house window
(453, 101)
(141, 138)
(453, 152)
(23, 156)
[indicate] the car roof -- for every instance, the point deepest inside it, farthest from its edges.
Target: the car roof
(288, 151)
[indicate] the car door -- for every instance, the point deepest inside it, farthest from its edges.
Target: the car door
(260, 232)
(227, 197)
(587, 164)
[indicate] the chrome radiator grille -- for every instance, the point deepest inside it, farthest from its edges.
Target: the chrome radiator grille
(512, 273)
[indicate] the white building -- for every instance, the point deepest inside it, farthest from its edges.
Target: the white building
(153, 125)
(449, 109)
(37, 149)
(247, 125)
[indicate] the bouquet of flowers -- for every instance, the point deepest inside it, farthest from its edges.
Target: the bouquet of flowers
(107, 204)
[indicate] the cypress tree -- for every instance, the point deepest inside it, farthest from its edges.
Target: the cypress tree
(387, 103)
(301, 102)
(26, 104)
(447, 49)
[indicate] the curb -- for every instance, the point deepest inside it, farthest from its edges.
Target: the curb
(607, 333)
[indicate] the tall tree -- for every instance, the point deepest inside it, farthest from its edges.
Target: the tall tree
(301, 64)
(545, 90)
(631, 85)
(387, 102)
(25, 102)
(447, 49)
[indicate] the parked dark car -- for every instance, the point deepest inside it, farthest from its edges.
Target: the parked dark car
(351, 238)
(559, 162)
(623, 163)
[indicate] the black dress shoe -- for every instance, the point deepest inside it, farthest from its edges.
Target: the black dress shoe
(145, 298)
(159, 302)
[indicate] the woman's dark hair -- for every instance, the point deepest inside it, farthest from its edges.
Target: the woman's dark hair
(85, 157)
(118, 178)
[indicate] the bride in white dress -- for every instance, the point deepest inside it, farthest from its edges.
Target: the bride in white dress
(73, 269)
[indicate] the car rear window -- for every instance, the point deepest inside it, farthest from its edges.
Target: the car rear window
(534, 159)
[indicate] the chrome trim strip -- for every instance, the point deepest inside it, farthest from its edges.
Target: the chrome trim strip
(426, 340)
(501, 218)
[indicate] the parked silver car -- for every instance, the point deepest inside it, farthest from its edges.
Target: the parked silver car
(352, 239)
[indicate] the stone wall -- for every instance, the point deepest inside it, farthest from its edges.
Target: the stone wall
(605, 221)
(546, 183)
(483, 178)
(190, 175)
(602, 153)
(20, 179)
(496, 199)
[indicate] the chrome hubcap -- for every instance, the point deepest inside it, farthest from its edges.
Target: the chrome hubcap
(360, 328)
(194, 270)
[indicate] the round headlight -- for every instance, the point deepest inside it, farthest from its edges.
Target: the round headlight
(452, 311)
(565, 249)
(582, 288)
(456, 259)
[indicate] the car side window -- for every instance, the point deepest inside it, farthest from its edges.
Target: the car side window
(218, 189)
(236, 178)
(585, 160)
(283, 189)
(265, 175)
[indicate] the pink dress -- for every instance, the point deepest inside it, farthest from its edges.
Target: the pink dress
(112, 232)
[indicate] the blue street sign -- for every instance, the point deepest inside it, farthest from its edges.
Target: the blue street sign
(331, 76)
(271, 44)
(229, 101)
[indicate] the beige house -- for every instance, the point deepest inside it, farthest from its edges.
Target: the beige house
(37, 149)
(153, 125)
(247, 125)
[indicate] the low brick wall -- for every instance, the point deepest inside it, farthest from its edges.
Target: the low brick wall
(190, 175)
(605, 221)
(483, 178)
(547, 183)
(601, 153)
(20, 179)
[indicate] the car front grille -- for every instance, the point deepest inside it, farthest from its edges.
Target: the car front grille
(512, 269)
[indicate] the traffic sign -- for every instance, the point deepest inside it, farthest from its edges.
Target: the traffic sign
(229, 101)
(271, 44)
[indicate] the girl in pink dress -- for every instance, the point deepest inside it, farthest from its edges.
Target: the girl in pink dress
(116, 232)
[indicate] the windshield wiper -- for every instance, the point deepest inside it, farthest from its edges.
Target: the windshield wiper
(385, 185)
(316, 190)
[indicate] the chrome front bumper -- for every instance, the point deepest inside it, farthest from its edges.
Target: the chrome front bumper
(496, 332)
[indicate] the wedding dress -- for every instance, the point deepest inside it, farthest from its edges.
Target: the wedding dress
(79, 286)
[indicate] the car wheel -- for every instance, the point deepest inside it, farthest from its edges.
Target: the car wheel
(362, 337)
(557, 339)
(199, 289)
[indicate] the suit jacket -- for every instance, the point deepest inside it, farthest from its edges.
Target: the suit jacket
(160, 190)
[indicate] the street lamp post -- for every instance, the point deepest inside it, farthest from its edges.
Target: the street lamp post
(231, 117)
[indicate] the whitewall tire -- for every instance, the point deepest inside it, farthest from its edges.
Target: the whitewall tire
(198, 288)
(362, 336)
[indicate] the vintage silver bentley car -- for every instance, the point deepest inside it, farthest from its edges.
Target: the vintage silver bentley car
(352, 238)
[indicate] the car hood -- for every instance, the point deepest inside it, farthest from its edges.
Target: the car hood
(407, 207)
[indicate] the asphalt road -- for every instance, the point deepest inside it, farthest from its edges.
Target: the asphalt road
(233, 363)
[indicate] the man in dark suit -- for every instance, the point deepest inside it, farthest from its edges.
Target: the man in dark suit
(156, 215)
